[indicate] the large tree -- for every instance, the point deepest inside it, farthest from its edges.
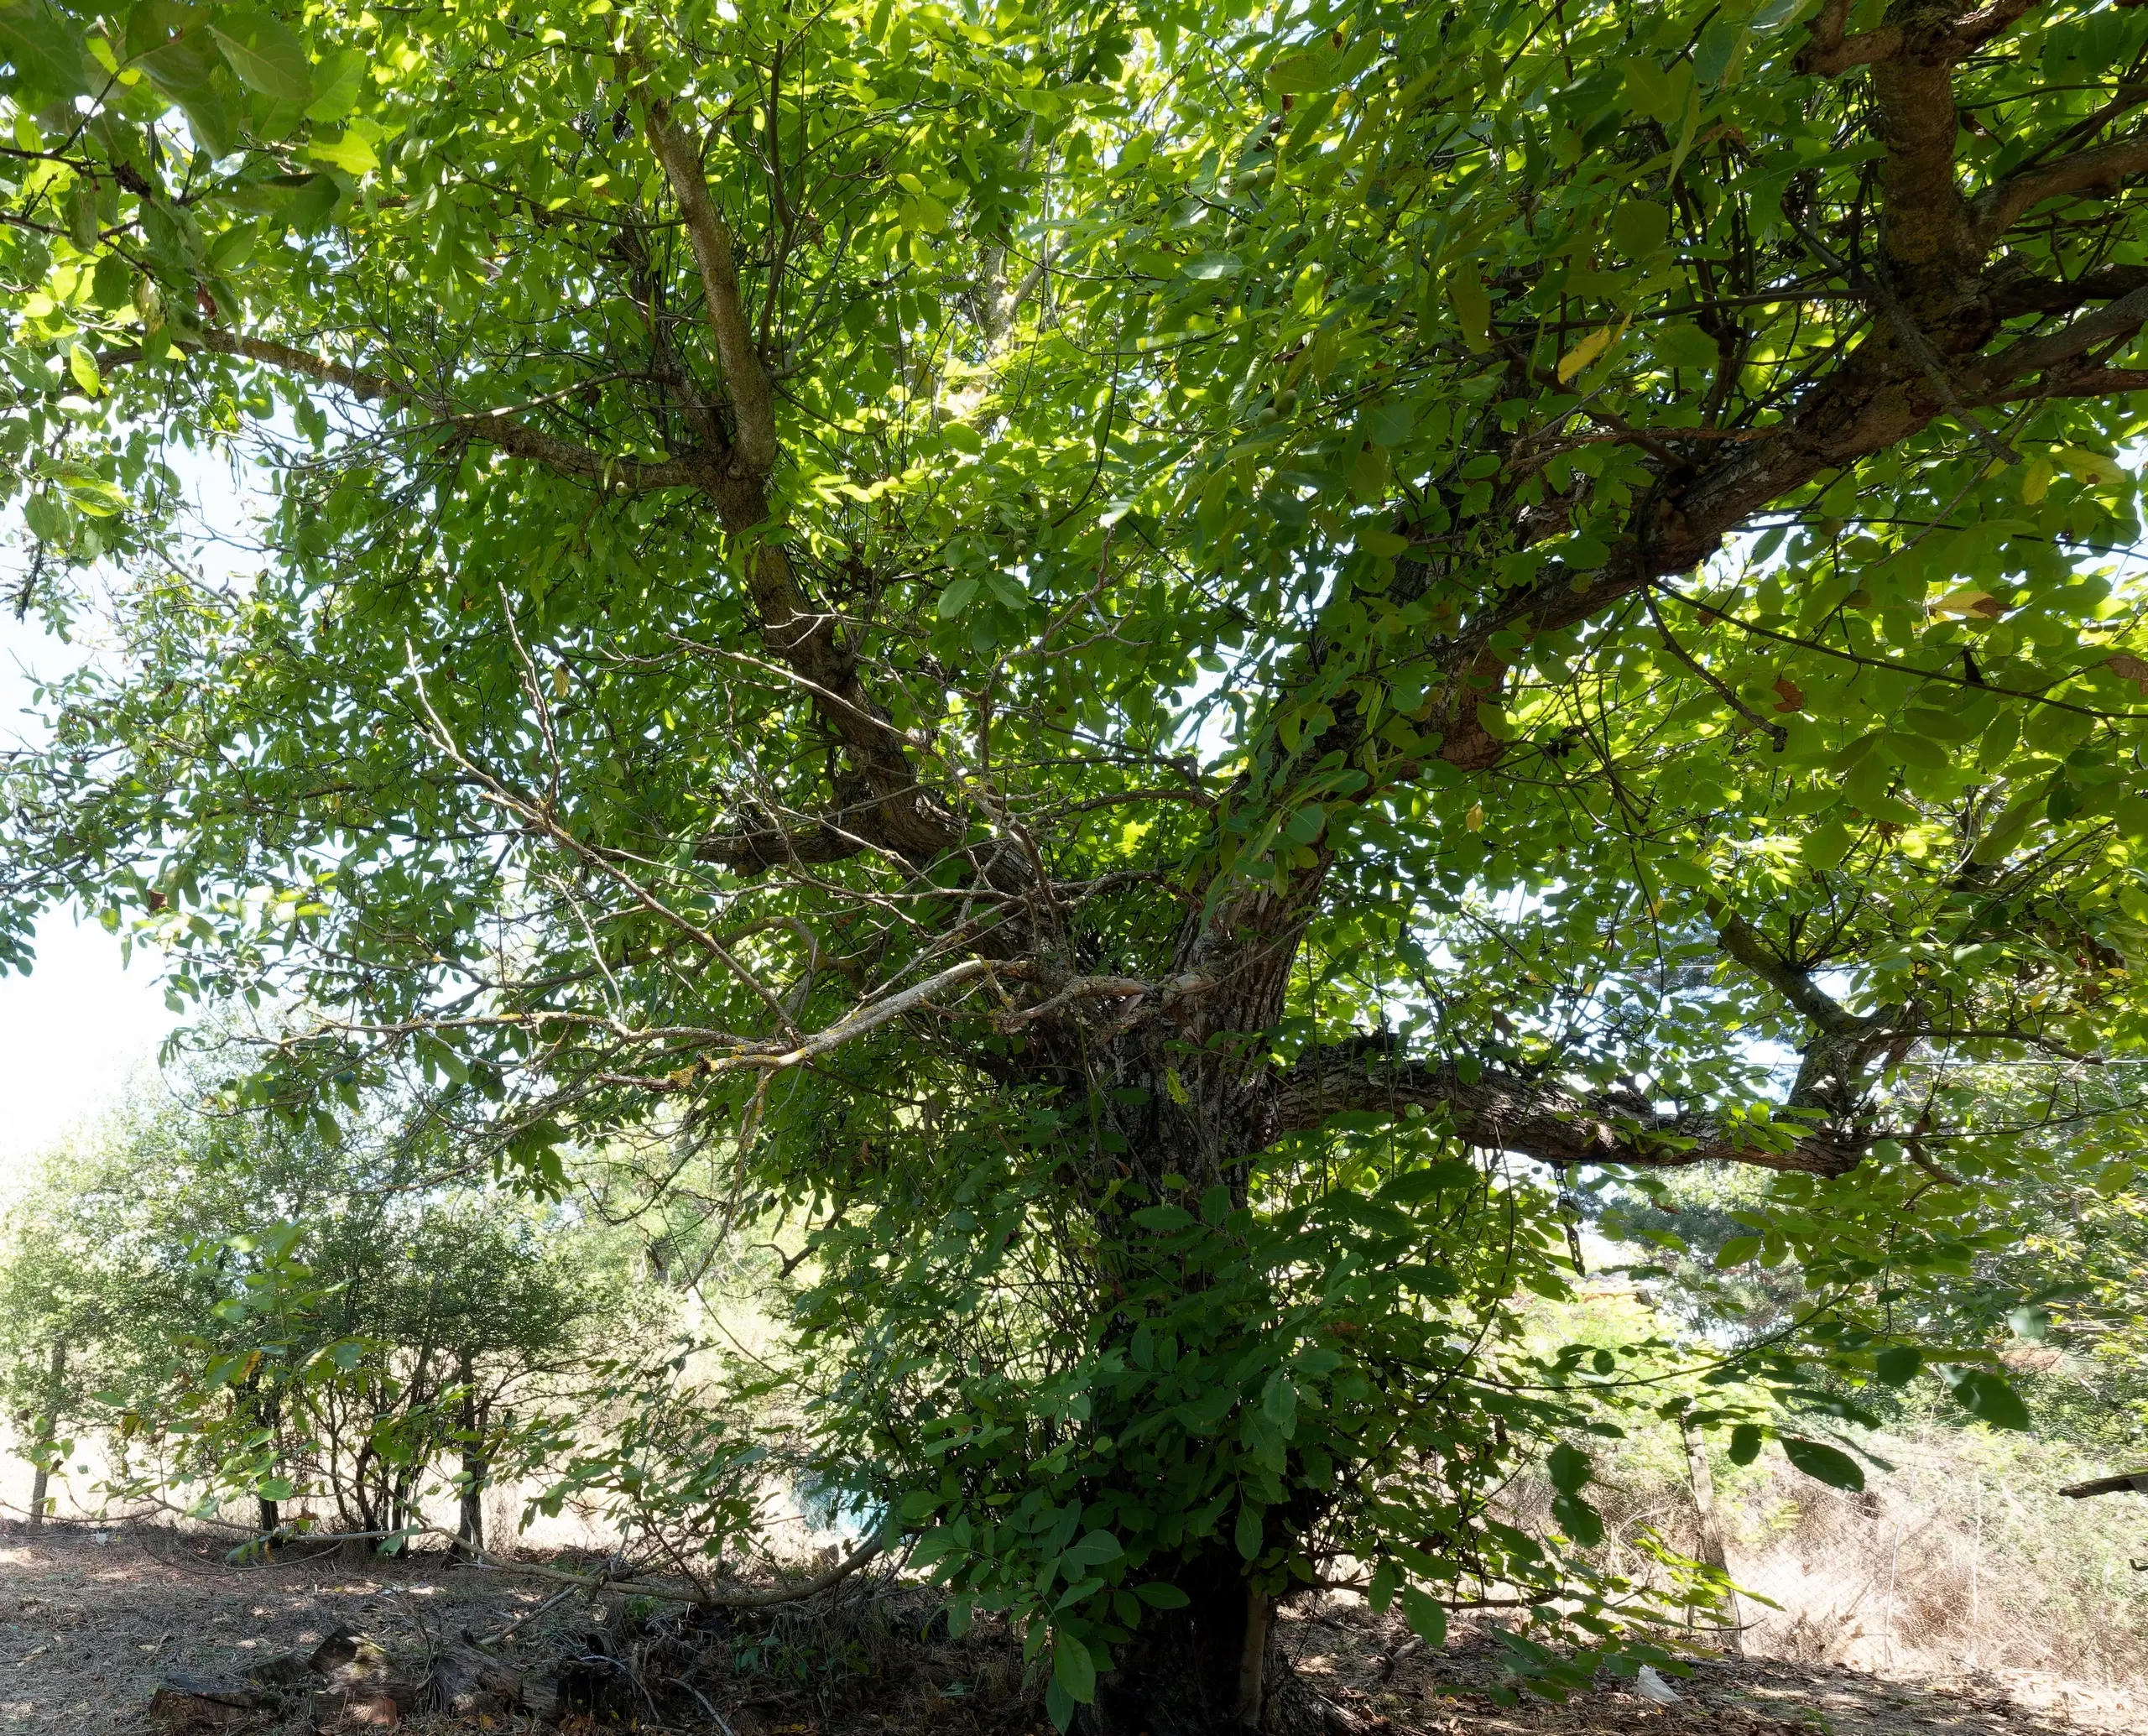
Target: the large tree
(1104, 642)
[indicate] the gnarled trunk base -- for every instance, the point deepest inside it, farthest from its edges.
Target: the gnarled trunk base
(1183, 1673)
(1211, 1669)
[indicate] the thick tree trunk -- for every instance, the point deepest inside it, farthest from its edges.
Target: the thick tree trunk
(1194, 1672)
(47, 1430)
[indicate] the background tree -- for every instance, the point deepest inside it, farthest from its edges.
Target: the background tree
(258, 1312)
(1101, 644)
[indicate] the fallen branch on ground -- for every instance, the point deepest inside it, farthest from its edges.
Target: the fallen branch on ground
(2135, 1481)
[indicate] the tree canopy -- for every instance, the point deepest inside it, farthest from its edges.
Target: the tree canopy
(1173, 666)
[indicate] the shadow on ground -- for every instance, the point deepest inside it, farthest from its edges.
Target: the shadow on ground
(87, 1628)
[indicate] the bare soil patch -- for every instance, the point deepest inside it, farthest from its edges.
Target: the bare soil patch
(89, 1628)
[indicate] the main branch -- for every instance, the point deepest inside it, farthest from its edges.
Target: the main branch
(1540, 1119)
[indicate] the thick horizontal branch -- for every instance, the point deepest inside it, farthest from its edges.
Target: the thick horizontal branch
(2000, 207)
(1537, 1118)
(2047, 295)
(755, 853)
(2117, 320)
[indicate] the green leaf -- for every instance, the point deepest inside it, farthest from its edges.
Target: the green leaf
(1580, 1521)
(265, 55)
(1380, 1592)
(1640, 227)
(1073, 1669)
(83, 366)
(1989, 1398)
(1210, 267)
(956, 597)
(1094, 1550)
(338, 82)
(1569, 1468)
(1897, 1364)
(1304, 72)
(45, 50)
(1737, 1251)
(1250, 1532)
(1822, 1462)
(1427, 1618)
(1745, 1439)
(1826, 845)
(1159, 1594)
(1472, 306)
(350, 152)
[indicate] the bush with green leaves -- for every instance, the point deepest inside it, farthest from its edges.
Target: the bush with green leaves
(255, 1309)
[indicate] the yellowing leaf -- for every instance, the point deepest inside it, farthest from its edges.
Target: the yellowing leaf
(2093, 468)
(1474, 818)
(1982, 604)
(2036, 481)
(1584, 353)
(1473, 307)
(83, 366)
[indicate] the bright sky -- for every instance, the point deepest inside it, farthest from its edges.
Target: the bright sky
(79, 1026)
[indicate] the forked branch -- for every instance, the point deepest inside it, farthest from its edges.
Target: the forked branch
(753, 442)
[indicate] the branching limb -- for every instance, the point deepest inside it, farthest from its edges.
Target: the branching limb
(497, 428)
(753, 403)
(2000, 206)
(1775, 732)
(1940, 42)
(1746, 944)
(2109, 324)
(2044, 295)
(1538, 1118)
(755, 853)
(1081, 989)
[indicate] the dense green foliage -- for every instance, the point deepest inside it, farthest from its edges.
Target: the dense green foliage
(1140, 660)
(253, 1312)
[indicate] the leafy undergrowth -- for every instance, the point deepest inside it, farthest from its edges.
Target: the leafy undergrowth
(87, 1628)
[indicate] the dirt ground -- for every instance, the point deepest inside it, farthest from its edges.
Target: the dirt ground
(90, 1621)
